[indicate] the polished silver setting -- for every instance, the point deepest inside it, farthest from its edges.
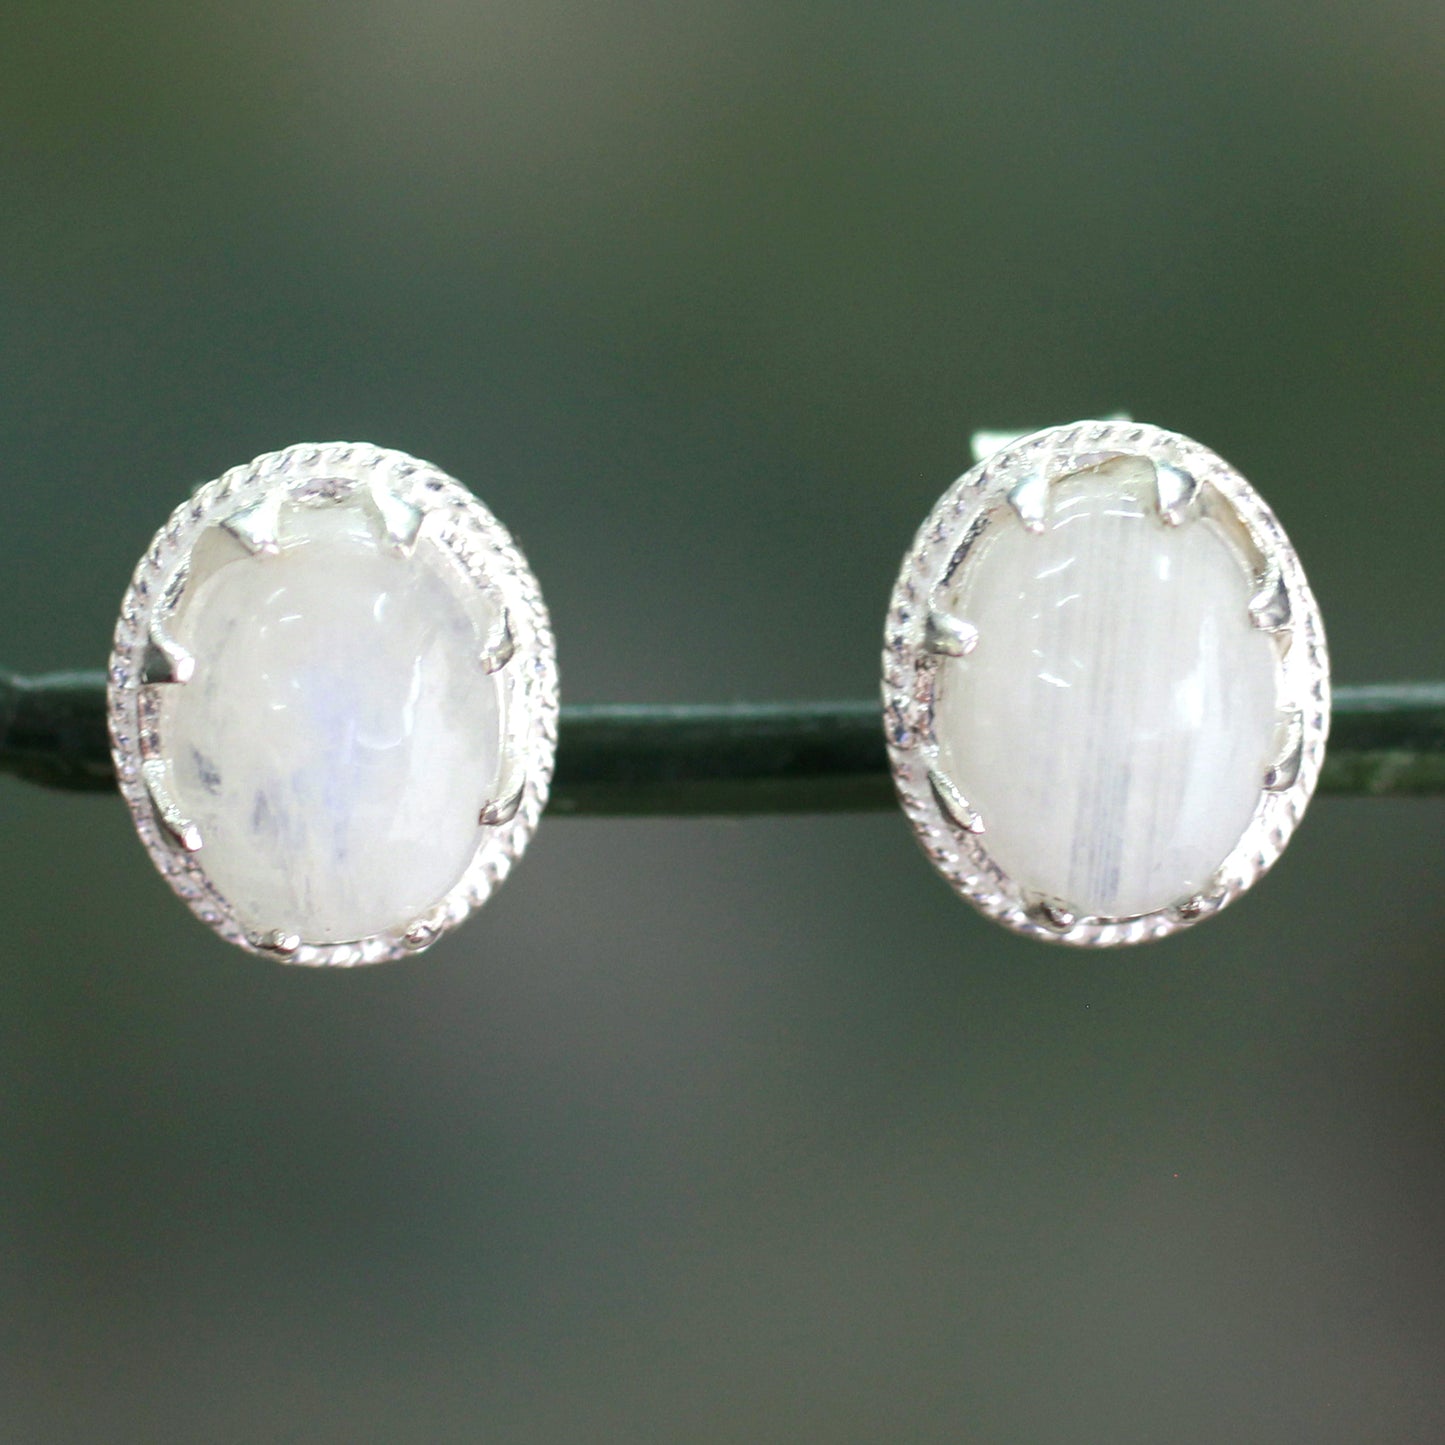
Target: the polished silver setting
(282, 945)
(178, 829)
(244, 505)
(501, 645)
(255, 524)
(1176, 491)
(1049, 913)
(949, 636)
(1016, 472)
(502, 809)
(954, 806)
(401, 520)
(1271, 608)
(1029, 497)
(1284, 772)
(166, 661)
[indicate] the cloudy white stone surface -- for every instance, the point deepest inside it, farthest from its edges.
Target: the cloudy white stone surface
(339, 736)
(1115, 721)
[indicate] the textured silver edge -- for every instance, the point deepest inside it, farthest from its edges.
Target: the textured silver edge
(1302, 678)
(486, 553)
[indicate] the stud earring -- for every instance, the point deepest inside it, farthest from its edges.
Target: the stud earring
(1105, 684)
(333, 703)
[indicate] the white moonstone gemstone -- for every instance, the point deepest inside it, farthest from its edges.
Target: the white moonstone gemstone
(1114, 724)
(340, 735)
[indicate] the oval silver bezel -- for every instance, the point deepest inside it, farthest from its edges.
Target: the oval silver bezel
(486, 554)
(1015, 477)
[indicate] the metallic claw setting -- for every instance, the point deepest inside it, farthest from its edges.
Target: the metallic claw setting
(500, 645)
(1282, 773)
(1208, 900)
(347, 521)
(1176, 492)
(949, 636)
(956, 808)
(257, 527)
(502, 810)
(1270, 608)
(1029, 498)
(277, 941)
(180, 828)
(400, 521)
(1266, 749)
(1052, 914)
(421, 935)
(165, 661)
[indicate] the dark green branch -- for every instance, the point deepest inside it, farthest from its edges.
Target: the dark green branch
(52, 730)
(1387, 741)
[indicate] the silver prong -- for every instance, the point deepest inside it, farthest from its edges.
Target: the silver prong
(163, 803)
(165, 661)
(421, 934)
(502, 810)
(1051, 913)
(500, 644)
(956, 808)
(1283, 772)
(1176, 492)
(1269, 608)
(949, 636)
(1029, 498)
(1206, 901)
(400, 520)
(257, 527)
(277, 941)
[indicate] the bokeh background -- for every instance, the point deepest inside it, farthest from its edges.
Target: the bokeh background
(722, 1131)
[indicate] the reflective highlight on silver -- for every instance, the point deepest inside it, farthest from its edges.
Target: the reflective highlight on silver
(164, 808)
(1187, 718)
(956, 808)
(949, 636)
(422, 558)
(166, 661)
(1176, 491)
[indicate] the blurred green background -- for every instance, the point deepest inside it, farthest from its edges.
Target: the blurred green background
(722, 1131)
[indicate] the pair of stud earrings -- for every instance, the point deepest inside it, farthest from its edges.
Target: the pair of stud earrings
(333, 694)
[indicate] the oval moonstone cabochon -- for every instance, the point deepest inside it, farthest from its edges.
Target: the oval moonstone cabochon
(1106, 684)
(333, 703)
